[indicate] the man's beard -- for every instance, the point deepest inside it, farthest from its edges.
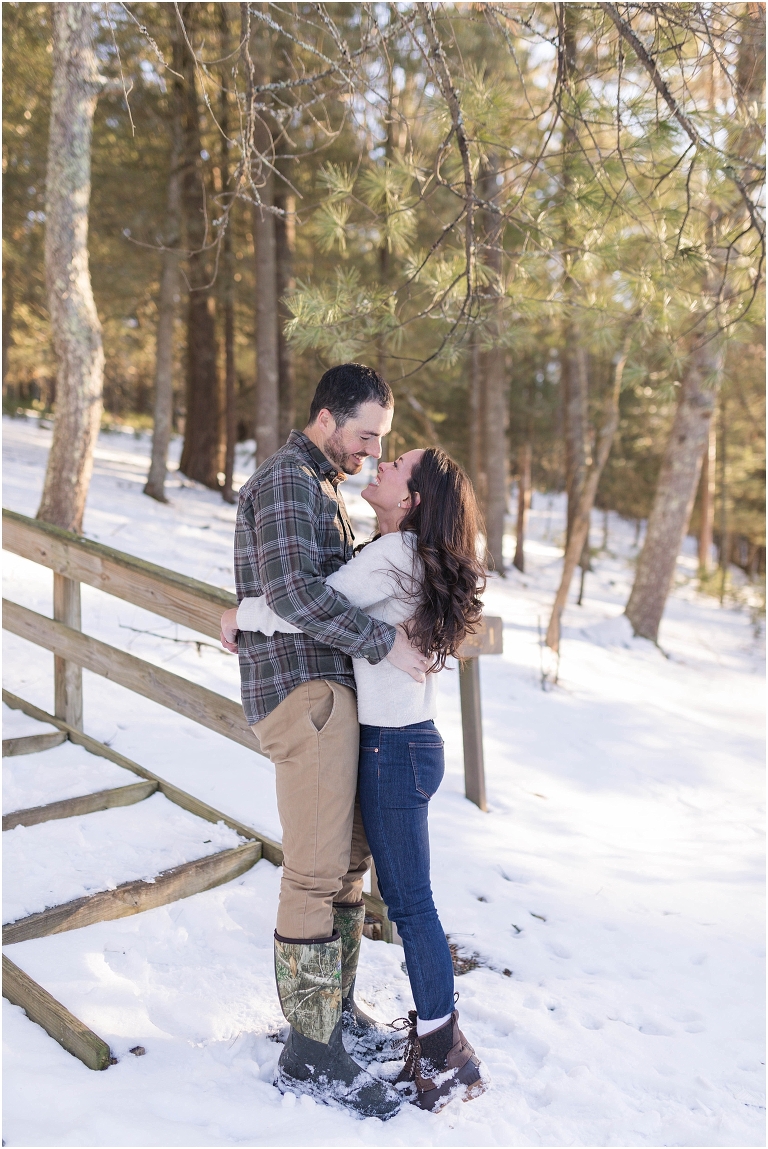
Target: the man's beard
(345, 461)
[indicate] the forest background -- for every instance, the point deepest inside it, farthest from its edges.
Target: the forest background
(541, 222)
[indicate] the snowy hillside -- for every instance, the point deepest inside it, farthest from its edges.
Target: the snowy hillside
(612, 897)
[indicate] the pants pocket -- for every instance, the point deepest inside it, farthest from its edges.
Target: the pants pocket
(321, 703)
(428, 762)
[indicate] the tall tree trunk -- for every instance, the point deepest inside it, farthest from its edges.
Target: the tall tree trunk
(496, 385)
(676, 488)
(497, 449)
(575, 378)
(74, 320)
(227, 273)
(576, 414)
(169, 288)
(384, 253)
(381, 352)
(267, 370)
(285, 245)
(689, 438)
(523, 501)
(748, 134)
(9, 302)
(476, 454)
(725, 532)
(474, 423)
(265, 251)
(230, 379)
(202, 457)
(581, 519)
(707, 490)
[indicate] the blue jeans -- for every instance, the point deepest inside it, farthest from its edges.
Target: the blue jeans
(401, 767)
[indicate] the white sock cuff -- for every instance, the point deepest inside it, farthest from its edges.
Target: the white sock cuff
(425, 1027)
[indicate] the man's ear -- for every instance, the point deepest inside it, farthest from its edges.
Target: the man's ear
(326, 420)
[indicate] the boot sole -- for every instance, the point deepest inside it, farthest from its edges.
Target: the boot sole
(285, 1084)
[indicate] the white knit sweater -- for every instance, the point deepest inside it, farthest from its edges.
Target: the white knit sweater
(378, 581)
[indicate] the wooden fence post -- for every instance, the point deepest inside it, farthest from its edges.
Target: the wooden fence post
(487, 639)
(388, 929)
(67, 676)
(472, 729)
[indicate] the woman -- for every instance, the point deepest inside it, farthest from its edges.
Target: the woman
(421, 572)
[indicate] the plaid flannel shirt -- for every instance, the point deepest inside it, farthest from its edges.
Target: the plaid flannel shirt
(292, 532)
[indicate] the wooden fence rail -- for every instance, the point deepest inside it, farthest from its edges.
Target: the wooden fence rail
(137, 896)
(82, 804)
(192, 603)
(196, 702)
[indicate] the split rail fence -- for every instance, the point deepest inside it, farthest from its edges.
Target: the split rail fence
(197, 606)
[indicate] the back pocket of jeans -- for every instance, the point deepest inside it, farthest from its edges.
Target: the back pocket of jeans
(428, 762)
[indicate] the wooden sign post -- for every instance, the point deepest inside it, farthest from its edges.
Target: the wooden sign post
(487, 639)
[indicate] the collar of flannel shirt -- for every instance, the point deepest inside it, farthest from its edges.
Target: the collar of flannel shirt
(323, 464)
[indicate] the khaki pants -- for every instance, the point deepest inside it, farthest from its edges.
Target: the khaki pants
(312, 738)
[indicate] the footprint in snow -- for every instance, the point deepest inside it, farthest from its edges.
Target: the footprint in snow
(558, 950)
(653, 1028)
(590, 1022)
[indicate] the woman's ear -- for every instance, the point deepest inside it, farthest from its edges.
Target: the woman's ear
(416, 498)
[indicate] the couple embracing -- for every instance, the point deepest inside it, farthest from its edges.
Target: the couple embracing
(339, 652)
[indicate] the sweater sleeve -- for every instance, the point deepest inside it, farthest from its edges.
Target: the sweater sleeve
(254, 613)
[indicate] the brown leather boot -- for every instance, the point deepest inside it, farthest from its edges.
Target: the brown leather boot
(441, 1065)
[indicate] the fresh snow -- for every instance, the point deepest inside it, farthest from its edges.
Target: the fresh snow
(17, 724)
(55, 862)
(67, 771)
(613, 894)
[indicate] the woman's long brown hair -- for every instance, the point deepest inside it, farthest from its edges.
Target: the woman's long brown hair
(446, 522)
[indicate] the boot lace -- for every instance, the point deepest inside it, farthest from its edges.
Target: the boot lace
(407, 1025)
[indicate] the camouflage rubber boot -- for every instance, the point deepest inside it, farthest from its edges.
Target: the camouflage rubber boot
(314, 1060)
(368, 1039)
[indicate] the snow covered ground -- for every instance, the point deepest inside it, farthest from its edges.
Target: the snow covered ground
(52, 775)
(613, 895)
(56, 862)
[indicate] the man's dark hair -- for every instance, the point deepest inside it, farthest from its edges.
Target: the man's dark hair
(344, 389)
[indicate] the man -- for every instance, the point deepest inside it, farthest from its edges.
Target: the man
(298, 695)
